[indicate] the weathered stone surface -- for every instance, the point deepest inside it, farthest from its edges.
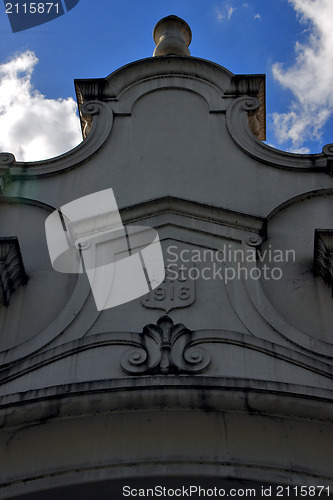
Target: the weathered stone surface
(236, 381)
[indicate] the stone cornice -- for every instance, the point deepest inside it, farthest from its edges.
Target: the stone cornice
(217, 86)
(167, 349)
(188, 208)
(222, 394)
(114, 84)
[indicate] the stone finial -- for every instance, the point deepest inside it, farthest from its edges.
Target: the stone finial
(172, 36)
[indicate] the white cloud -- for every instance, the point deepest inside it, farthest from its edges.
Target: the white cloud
(225, 12)
(310, 79)
(230, 12)
(219, 15)
(33, 127)
(302, 151)
(257, 16)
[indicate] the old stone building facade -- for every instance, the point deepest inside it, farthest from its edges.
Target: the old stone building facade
(222, 374)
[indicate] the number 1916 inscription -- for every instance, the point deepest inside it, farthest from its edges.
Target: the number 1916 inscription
(171, 294)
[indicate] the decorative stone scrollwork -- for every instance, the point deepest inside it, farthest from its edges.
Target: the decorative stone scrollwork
(254, 240)
(12, 272)
(242, 119)
(6, 161)
(251, 105)
(95, 130)
(88, 109)
(91, 108)
(165, 349)
(328, 152)
(323, 256)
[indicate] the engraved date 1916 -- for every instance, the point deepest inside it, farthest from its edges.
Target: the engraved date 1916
(32, 8)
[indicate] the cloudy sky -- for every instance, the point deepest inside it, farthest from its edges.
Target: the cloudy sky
(291, 41)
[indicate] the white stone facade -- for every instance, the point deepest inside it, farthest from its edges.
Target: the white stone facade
(224, 372)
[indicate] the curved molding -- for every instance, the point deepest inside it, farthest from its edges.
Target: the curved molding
(137, 90)
(26, 201)
(300, 197)
(152, 67)
(167, 348)
(271, 324)
(59, 324)
(214, 83)
(72, 348)
(194, 210)
(6, 159)
(99, 117)
(266, 309)
(261, 397)
(51, 332)
(270, 349)
(280, 325)
(130, 414)
(237, 125)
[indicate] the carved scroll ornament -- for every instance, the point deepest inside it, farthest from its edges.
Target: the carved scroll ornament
(165, 349)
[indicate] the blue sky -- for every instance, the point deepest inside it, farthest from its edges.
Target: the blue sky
(291, 41)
